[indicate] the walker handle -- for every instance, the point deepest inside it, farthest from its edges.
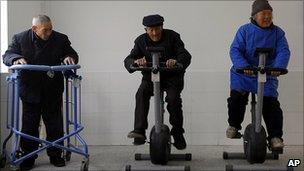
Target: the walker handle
(44, 67)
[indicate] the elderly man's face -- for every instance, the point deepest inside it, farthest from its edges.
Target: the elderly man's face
(155, 33)
(43, 30)
(264, 18)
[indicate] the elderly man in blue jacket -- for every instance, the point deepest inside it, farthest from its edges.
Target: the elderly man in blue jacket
(41, 92)
(259, 33)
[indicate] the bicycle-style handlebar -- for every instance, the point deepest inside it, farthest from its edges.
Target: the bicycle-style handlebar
(161, 67)
(268, 71)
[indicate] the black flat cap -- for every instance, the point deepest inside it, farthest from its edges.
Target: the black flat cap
(153, 20)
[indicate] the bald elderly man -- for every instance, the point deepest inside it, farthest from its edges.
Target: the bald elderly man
(171, 83)
(41, 92)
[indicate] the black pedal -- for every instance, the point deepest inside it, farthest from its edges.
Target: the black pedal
(139, 141)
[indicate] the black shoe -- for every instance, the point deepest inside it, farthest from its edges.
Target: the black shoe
(179, 142)
(57, 161)
(27, 164)
(139, 137)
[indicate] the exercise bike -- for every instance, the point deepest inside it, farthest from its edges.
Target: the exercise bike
(254, 137)
(160, 137)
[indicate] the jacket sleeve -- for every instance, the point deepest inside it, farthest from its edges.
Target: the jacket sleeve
(135, 53)
(69, 51)
(182, 55)
(282, 51)
(237, 50)
(13, 52)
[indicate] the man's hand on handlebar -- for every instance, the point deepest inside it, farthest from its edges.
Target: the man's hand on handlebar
(142, 62)
(275, 73)
(21, 61)
(69, 61)
(248, 72)
(170, 63)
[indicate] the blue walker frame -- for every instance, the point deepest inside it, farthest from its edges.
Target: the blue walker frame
(72, 80)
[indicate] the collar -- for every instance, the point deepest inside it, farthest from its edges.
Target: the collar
(264, 28)
(35, 37)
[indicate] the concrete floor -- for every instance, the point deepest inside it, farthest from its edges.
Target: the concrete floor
(204, 158)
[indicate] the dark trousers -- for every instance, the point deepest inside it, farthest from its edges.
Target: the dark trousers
(51, 112)
(272, 112)
(173, 87)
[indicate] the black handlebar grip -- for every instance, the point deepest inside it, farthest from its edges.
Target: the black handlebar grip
(281, 70)
(135, 67)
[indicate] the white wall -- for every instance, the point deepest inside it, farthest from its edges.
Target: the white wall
(103, 33)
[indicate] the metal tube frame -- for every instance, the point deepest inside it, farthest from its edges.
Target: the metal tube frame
(260, 93)
(159, 119)
(14, 114)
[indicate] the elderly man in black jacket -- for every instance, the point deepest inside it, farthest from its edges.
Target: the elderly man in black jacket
(171, 83)
(41, 92)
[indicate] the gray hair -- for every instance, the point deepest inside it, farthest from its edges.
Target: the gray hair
(39, 19)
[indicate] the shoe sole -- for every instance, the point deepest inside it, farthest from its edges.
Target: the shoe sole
(277, 148)
(139, 143)
(26, 168)
(62, 165)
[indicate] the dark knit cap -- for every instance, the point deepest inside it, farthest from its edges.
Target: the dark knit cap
(153, 20)
(260, 5)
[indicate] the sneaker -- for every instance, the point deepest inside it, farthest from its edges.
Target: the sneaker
(139, 137)
(179, 142)
(232, 132)
(57, 161)
(27, 164)
(276, 143)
